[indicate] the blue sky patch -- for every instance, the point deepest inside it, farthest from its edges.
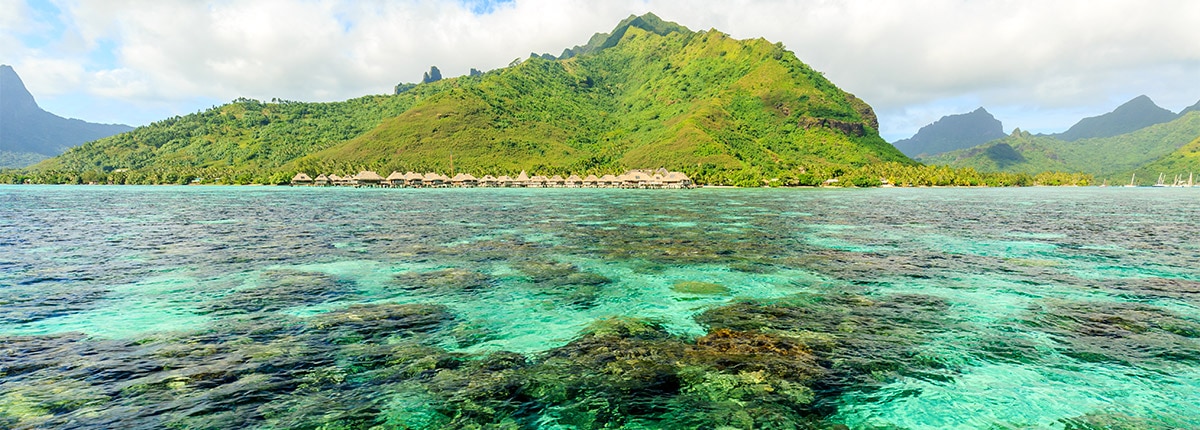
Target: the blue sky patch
(484, 7)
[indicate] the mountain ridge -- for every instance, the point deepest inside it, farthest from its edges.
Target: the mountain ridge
(1105, 157)
(952, 132)
(1133, 115)
(28, 133)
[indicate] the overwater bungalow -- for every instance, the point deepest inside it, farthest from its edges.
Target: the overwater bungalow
(538, 181)
(676, 180)
(574, 181)
(464, 180)
(656, 181)
(634, 179)
(302, 179)
(433, 180)
(367, 178)
(660, 178)
(396, 179)
(609, 181)
(414, 180)
(338, 180)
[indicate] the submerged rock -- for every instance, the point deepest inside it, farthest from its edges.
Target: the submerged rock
(699, 288)
(278, 290)
(377, 322)
(564, 282)
(445, 281)
(1133, 334)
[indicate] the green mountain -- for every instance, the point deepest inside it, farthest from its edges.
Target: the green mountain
(649, 94)
(1184, 162)
(29, 134)
(1136, 114)
(1106, 158)
(952, 132)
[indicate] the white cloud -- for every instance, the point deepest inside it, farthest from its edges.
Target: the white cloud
(908, 59)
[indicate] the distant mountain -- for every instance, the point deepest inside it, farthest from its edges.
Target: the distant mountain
(29, 134)
(649, 94)
(1136, 114)
(952, 132)
(1106, 157)
(1192, 108)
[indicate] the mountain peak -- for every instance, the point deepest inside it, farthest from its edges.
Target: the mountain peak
(28, 133)
(1133, 115)
(13, 95)
(953, 132)
(648, 22)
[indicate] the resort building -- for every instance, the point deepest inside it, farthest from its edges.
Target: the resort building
(302, 179)
(367, 178)
(645, 179)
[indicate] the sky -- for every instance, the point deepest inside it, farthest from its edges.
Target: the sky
(1039, 65)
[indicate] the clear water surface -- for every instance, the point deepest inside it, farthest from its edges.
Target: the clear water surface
(275, 307)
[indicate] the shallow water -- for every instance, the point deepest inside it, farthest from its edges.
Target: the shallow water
(301, 307)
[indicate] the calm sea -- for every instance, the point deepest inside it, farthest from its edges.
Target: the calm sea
(275, 307)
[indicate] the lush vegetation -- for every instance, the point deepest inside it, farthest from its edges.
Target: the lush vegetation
(1184, 162)
(246, 141)
(650, 94)
(1110, 158)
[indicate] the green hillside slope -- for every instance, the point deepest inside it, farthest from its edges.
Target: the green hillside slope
(1107, 158)
(719, 109)
(1184, 162)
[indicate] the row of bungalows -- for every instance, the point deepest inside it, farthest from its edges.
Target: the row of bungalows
(631, 179)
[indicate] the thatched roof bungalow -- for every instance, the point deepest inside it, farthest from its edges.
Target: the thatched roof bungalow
(487, 181)
(302, 179)
(341, 180)
(656, 181)
(396, 179)
(414, 179)
(321, 180)
(591, 181)
(609, 181)
(677, 180)
(522, 180)
(556, 181)
(504, 181)
(433, 179)
(634, 179)
(368, 178)
(464, 180)
(574, 181)
(538, 181)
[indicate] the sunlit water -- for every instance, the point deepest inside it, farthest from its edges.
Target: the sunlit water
(126, 307)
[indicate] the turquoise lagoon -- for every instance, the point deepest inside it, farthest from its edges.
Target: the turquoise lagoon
(270, 307)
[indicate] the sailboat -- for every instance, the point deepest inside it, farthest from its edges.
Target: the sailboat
(1131, 178)
(1160, 181)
